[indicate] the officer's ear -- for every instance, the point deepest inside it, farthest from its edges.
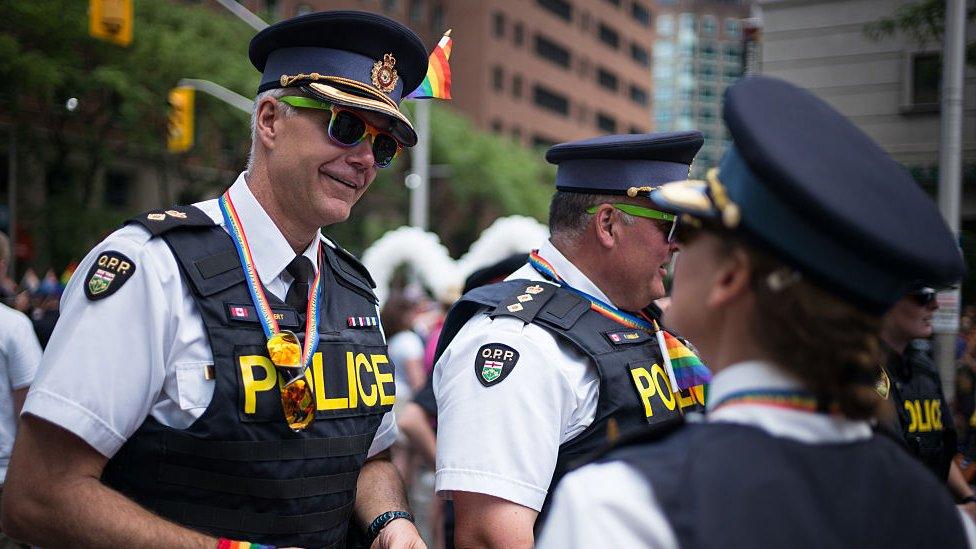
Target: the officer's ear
(264, 122)
(604, 224)
(731, 280)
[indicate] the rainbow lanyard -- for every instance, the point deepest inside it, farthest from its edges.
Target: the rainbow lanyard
(787, 399)
(259, 298)
(545, 269)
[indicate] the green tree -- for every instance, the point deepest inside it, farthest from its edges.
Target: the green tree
(923, 21)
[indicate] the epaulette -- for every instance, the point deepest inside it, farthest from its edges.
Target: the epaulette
(526, 302)
(162, 220)
(353, 262)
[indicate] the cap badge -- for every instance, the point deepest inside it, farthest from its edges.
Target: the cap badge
(728, 209)
(384, 75)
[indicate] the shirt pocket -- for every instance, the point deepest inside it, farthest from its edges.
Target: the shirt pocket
(194, 387)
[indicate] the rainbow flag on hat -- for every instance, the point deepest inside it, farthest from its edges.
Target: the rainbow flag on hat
(437, 84)
(684, 367)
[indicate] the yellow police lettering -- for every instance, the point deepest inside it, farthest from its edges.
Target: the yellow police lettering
(322, 399)
(659, 376)
(369, 399)
(924, 421)
(254, 386)
(924, 415)
(352, 380)
(935, 410)
(913, 419)
(686, 398)
(645, 388)
(382, 379)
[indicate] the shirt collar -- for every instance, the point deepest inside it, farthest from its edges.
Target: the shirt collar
(570, 274)
(269, 248)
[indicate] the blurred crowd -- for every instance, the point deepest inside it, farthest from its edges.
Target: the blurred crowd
(36, 295)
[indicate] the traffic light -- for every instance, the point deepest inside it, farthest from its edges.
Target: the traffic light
(180, 136)
(111, 20)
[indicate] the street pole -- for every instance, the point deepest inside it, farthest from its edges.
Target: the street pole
(950, 173)
(233, 99)
(12, 199)
(420, 157)
(243, 14)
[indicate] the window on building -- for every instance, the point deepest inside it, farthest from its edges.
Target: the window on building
(686, 112)
(732, 28)
(708, 50)
(638, 95)
(517, 133)
(708, 25)
(541, 142)
(118, 186)
(498, 78)
(732, 53)
(707, 72)
(606, 79)
(550, 100)
(665, 25)
(707, 115)
(518, 34)
(706, 93)
(496, 126)
(388, 6)
(687, 94)
(517, 86)
(639, 54)
(640, 13)
(613, 2)
(416, 11)
(635, 129)
(437, 19)
(686, 22)
(559, 8)
(606, 122)
(664, 50)
(733, 72)
(498, 24)
(662, 117)
(551, 51)
(687, 49)
(608, 36)
(924, 81)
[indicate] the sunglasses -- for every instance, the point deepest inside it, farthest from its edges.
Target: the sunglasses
(669, 221)
(923, 297)
(348, 129)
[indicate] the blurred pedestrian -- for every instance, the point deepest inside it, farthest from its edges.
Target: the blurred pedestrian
(790, 252)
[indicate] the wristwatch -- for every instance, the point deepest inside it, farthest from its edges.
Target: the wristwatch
(381, 521)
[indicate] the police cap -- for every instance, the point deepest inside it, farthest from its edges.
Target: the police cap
(357, 59)
(803, 182)
(612, 164)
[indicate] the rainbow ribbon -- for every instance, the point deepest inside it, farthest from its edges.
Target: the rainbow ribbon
(268, 321)
(437, 83)
(788, 399)
(224, 543)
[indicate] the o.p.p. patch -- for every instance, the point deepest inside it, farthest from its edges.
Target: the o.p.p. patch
(494, 362)
(109, 272)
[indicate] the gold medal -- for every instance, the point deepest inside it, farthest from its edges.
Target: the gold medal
(296, 395)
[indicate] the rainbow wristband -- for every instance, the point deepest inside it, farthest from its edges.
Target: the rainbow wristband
(224, 543)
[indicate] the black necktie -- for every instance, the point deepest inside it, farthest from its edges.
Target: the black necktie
(302, 270)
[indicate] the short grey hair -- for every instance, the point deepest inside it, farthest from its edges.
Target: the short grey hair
(568, 217)
(288, 110)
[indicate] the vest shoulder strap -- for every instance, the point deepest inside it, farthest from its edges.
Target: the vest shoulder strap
(207, 257)
(523, 299)
(163, 220)
(350, 272)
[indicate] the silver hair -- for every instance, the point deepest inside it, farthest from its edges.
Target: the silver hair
(286, 109)
(567, 214)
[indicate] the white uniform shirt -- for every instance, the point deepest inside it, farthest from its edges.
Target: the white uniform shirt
(143, 350)
(619, 504)
(20, 353)
(503, 440)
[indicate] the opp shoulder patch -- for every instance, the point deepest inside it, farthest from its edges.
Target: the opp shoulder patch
(494, 362)
(109, 272)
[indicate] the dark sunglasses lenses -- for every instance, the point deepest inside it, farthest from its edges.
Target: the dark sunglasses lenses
(924, 297)
(349, 130)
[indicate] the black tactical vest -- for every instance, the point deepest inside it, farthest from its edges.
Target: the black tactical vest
(635, 392)
(238, 471)
(924, 418)
(728, 485)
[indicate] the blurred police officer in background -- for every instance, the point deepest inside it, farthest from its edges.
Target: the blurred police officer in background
(157, 418)
(547, 366)
(789, 255)
(911, 384)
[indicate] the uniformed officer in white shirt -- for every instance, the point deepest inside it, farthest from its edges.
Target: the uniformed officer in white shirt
(156, 418)
(541, 369)
(788, 255)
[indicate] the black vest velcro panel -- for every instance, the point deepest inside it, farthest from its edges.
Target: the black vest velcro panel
(238, 471)
(924, 417)
(635, 393)
(727, 485)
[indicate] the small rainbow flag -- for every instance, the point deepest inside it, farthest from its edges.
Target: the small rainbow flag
(437, 84)
(686, 368)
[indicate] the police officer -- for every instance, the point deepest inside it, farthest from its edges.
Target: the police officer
(219, 371)
(910, 383)
(789, 254)
(547, 366)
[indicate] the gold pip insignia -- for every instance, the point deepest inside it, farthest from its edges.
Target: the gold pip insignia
(384, 75)
(156, 217)
(176, 214)
(515, 307)
(534, 289)
(523, 298)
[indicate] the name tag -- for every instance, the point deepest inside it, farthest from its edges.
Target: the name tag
(247, 313)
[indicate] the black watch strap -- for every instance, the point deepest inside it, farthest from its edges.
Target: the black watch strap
(381, 521)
